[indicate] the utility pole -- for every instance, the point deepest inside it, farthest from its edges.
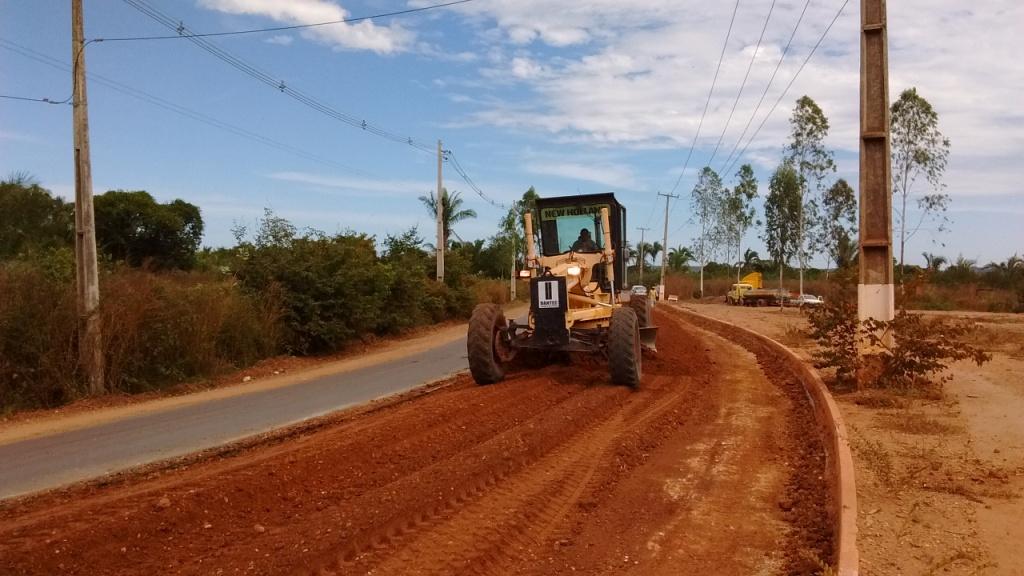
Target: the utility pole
(664, 247)
(875, 286)
(640, 252)
(90, 350)
(439, 208)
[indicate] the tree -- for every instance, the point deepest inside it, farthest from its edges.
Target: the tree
(918, 150)
(32, 217)
(707, 201)
(839, 225)
(934, 262)
(782, 211)
(132, 226)
(751, 259)
(679, 257)
(651, 249)
(513, 226)
(812, 162)
(453, 212)
(738, 214)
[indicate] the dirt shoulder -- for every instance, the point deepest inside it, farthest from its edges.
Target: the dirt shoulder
(939, 479)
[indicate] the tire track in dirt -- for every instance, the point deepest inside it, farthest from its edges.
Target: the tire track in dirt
(551, 471)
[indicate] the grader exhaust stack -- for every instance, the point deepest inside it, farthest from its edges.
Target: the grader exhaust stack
(575, 303)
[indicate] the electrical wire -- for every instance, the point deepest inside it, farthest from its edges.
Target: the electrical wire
(743, 84)
(788, 86)
(454, 163)
(27, 99)
(269, 80)
(178, 109)
(707, 103)
(283, 28)
(791, 81)
(764, 93)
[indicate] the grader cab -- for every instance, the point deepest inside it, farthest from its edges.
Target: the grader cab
(576, 285)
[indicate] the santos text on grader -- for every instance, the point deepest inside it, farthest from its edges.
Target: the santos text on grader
(575, 288)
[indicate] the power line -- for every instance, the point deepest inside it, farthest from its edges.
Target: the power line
(178, 109)
(791, 81)
(27, 99)
(742, 84)
(767, 87)
(707, 103)
(454, 163)
(267, 79)
(281, 28)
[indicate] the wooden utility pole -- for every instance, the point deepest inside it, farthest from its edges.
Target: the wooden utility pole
(664, 247)
(90, 350)
(640, 253)
(439, 208)
(875, 286)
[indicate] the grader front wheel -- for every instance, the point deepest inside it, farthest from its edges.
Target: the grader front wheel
(484, 344)
(624, 356)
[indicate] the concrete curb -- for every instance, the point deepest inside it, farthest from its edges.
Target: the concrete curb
(837, 446)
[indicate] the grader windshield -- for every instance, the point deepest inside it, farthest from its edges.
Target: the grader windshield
(575, 228)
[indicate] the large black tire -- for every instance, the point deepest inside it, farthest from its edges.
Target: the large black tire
(484, 363)
(641, 305)
(624, 356)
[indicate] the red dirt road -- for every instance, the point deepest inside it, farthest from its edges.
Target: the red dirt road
(710, 468)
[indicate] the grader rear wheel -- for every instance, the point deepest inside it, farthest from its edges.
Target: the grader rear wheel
(624, 357)
(483, 342)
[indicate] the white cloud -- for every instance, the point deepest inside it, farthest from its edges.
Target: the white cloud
(280, 39)
(614, 175)
(352, 186)
(363, 35)
(636, 75)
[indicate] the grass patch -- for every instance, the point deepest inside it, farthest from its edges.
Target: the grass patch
(920, 424)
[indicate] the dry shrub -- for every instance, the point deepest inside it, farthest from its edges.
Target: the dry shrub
(165, 329)
(911, 353)
(679, 285)
(920, 349)
(491, 291)
(159, 330)
(37, 339)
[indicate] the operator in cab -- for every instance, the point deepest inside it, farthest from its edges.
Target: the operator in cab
(584, 243)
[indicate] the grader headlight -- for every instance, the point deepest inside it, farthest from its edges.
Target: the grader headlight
(574, 270)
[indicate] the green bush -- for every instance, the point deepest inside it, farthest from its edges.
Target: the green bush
(335, 289)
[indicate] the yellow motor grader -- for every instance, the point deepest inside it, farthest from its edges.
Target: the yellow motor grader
(575, 288)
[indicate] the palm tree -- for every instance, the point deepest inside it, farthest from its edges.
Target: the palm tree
(933, 262)
(652, 250)
(453, 214)
(679, 257)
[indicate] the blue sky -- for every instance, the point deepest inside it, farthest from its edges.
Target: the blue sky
(567, 97)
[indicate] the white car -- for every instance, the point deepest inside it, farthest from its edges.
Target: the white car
(809, 300)
(638, 290)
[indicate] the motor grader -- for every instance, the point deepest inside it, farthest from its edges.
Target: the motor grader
(578, 300)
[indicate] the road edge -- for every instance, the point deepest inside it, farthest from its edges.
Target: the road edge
(837, 446)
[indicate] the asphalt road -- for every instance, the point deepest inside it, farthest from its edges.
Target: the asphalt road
(51, 461)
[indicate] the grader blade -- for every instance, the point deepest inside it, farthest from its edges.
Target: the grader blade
(648, 336)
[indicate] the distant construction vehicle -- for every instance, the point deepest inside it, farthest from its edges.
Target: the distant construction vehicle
(576, 294)
(750, 291)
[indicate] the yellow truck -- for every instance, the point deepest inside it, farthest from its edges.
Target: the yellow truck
(750, 291)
